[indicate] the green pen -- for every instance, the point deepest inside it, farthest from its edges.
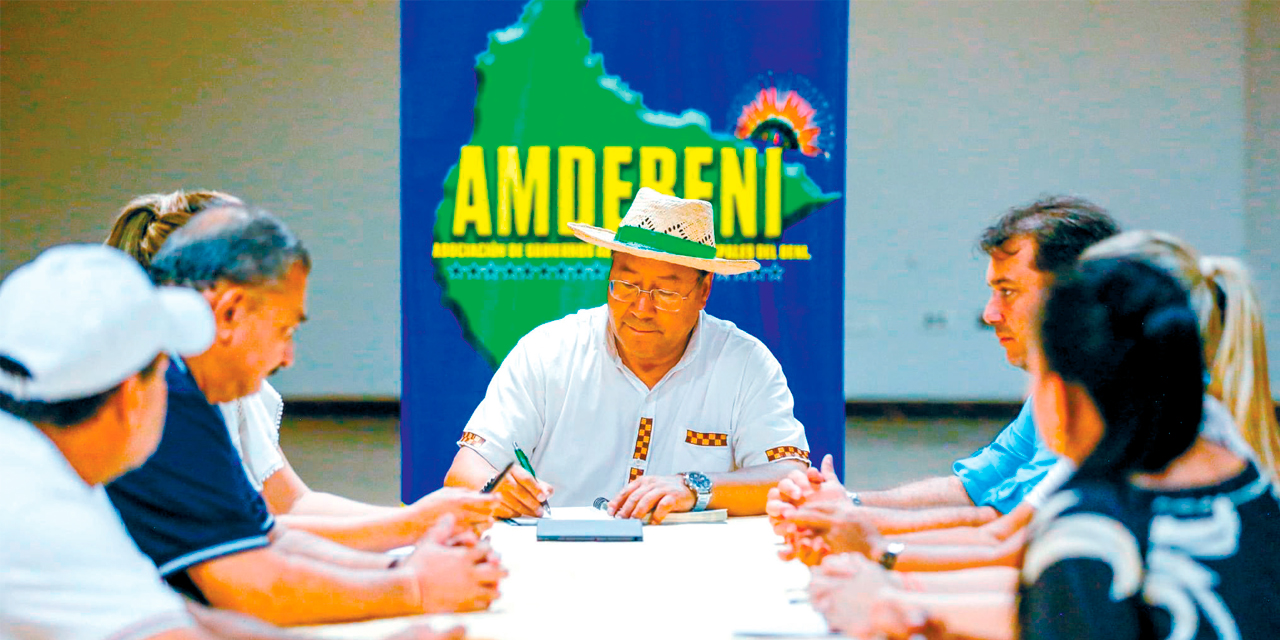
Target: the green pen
(524, 463)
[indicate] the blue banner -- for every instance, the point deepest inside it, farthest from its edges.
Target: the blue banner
(520, 117)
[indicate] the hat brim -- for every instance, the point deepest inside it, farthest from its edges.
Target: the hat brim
(605, 238)
(190, 323)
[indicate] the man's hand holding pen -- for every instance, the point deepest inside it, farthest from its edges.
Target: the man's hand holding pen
(521, 494)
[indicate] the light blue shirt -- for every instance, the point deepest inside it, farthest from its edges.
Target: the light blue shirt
(1001, 474)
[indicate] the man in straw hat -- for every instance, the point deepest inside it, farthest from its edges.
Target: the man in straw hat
(647, 400)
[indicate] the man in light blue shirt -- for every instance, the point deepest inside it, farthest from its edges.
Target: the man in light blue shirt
(1025, 246)
(1001, 474)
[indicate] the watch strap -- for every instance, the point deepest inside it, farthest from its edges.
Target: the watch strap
(889, 558)
(701, 499)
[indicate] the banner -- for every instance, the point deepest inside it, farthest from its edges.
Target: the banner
(519, 118)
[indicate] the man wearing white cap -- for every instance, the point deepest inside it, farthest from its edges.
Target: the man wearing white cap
(647, 400)
(83, 338)
(84, 344)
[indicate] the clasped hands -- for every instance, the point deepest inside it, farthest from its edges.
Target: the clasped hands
(451, 569)
(812, 512)
(654, 497)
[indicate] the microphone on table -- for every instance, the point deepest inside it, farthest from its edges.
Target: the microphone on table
(601, 504)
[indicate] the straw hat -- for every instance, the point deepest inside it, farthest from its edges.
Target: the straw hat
(666, 228)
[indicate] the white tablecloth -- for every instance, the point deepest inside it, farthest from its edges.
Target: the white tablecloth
(706, 581)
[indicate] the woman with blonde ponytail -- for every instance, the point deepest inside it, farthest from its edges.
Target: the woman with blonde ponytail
(1231, 332)
(1238, 373)
(146, 222)
(253, 422)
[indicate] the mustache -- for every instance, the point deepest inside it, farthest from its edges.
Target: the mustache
(641, 326)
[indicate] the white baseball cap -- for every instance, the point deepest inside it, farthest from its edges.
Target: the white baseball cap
(83, 318)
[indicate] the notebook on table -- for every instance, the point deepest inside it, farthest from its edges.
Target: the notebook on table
(550, 529)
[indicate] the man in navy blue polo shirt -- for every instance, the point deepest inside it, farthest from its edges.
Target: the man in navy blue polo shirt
(191, 508)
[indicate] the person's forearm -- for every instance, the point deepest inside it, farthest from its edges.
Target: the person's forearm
(987, 615)
(891, 521)
(745, 491)
(382, 529)
(319, 503)
(960, 536)
(981, 579)
(309, 545)
(469, 470)
(994, 532)
(927, 557)
(290, 589)
(946, 491)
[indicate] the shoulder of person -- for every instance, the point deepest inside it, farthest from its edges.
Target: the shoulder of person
(1088, 520)
(579, 329)
(34, 471)
(724, 337)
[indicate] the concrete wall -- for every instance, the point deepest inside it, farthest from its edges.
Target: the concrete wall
(293, 106)
(960, 110)
(1164, 112)
(1262, 161)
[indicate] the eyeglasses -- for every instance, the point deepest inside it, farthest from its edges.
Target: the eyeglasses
(665, 300)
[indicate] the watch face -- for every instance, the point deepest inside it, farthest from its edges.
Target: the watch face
(698, 482)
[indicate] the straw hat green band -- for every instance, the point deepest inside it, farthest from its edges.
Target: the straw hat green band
(641, 238)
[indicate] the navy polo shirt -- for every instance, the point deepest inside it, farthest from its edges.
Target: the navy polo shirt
(191, 502)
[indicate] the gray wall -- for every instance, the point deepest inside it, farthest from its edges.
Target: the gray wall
(960, 110)
(1262, 160)
(293, 106)
(957, 111)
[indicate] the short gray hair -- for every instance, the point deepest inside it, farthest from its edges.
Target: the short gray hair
(234, 244)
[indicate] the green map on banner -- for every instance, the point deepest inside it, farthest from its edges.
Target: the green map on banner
(557, 140)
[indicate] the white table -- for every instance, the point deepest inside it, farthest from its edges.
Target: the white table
(705, 581)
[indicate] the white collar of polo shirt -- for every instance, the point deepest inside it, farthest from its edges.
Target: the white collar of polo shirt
(690, 351)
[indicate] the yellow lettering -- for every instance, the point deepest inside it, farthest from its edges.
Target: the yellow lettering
(766, 252)
(738, 191)
(658, 169)
(614, 187)
(471, 204)
(736, 251)
(773, 192)
(695, 188)
(469, 250)
(519, 194)
(584, 161)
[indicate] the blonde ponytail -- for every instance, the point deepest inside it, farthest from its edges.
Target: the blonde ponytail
(1238, 368)
(146, 222)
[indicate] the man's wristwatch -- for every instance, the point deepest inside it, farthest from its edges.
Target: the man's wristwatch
(890, 556)
(700, 485)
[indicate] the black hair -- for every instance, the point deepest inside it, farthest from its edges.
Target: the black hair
(230, 243)
(64, 413)
(1125, 331)
(1062, 227)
